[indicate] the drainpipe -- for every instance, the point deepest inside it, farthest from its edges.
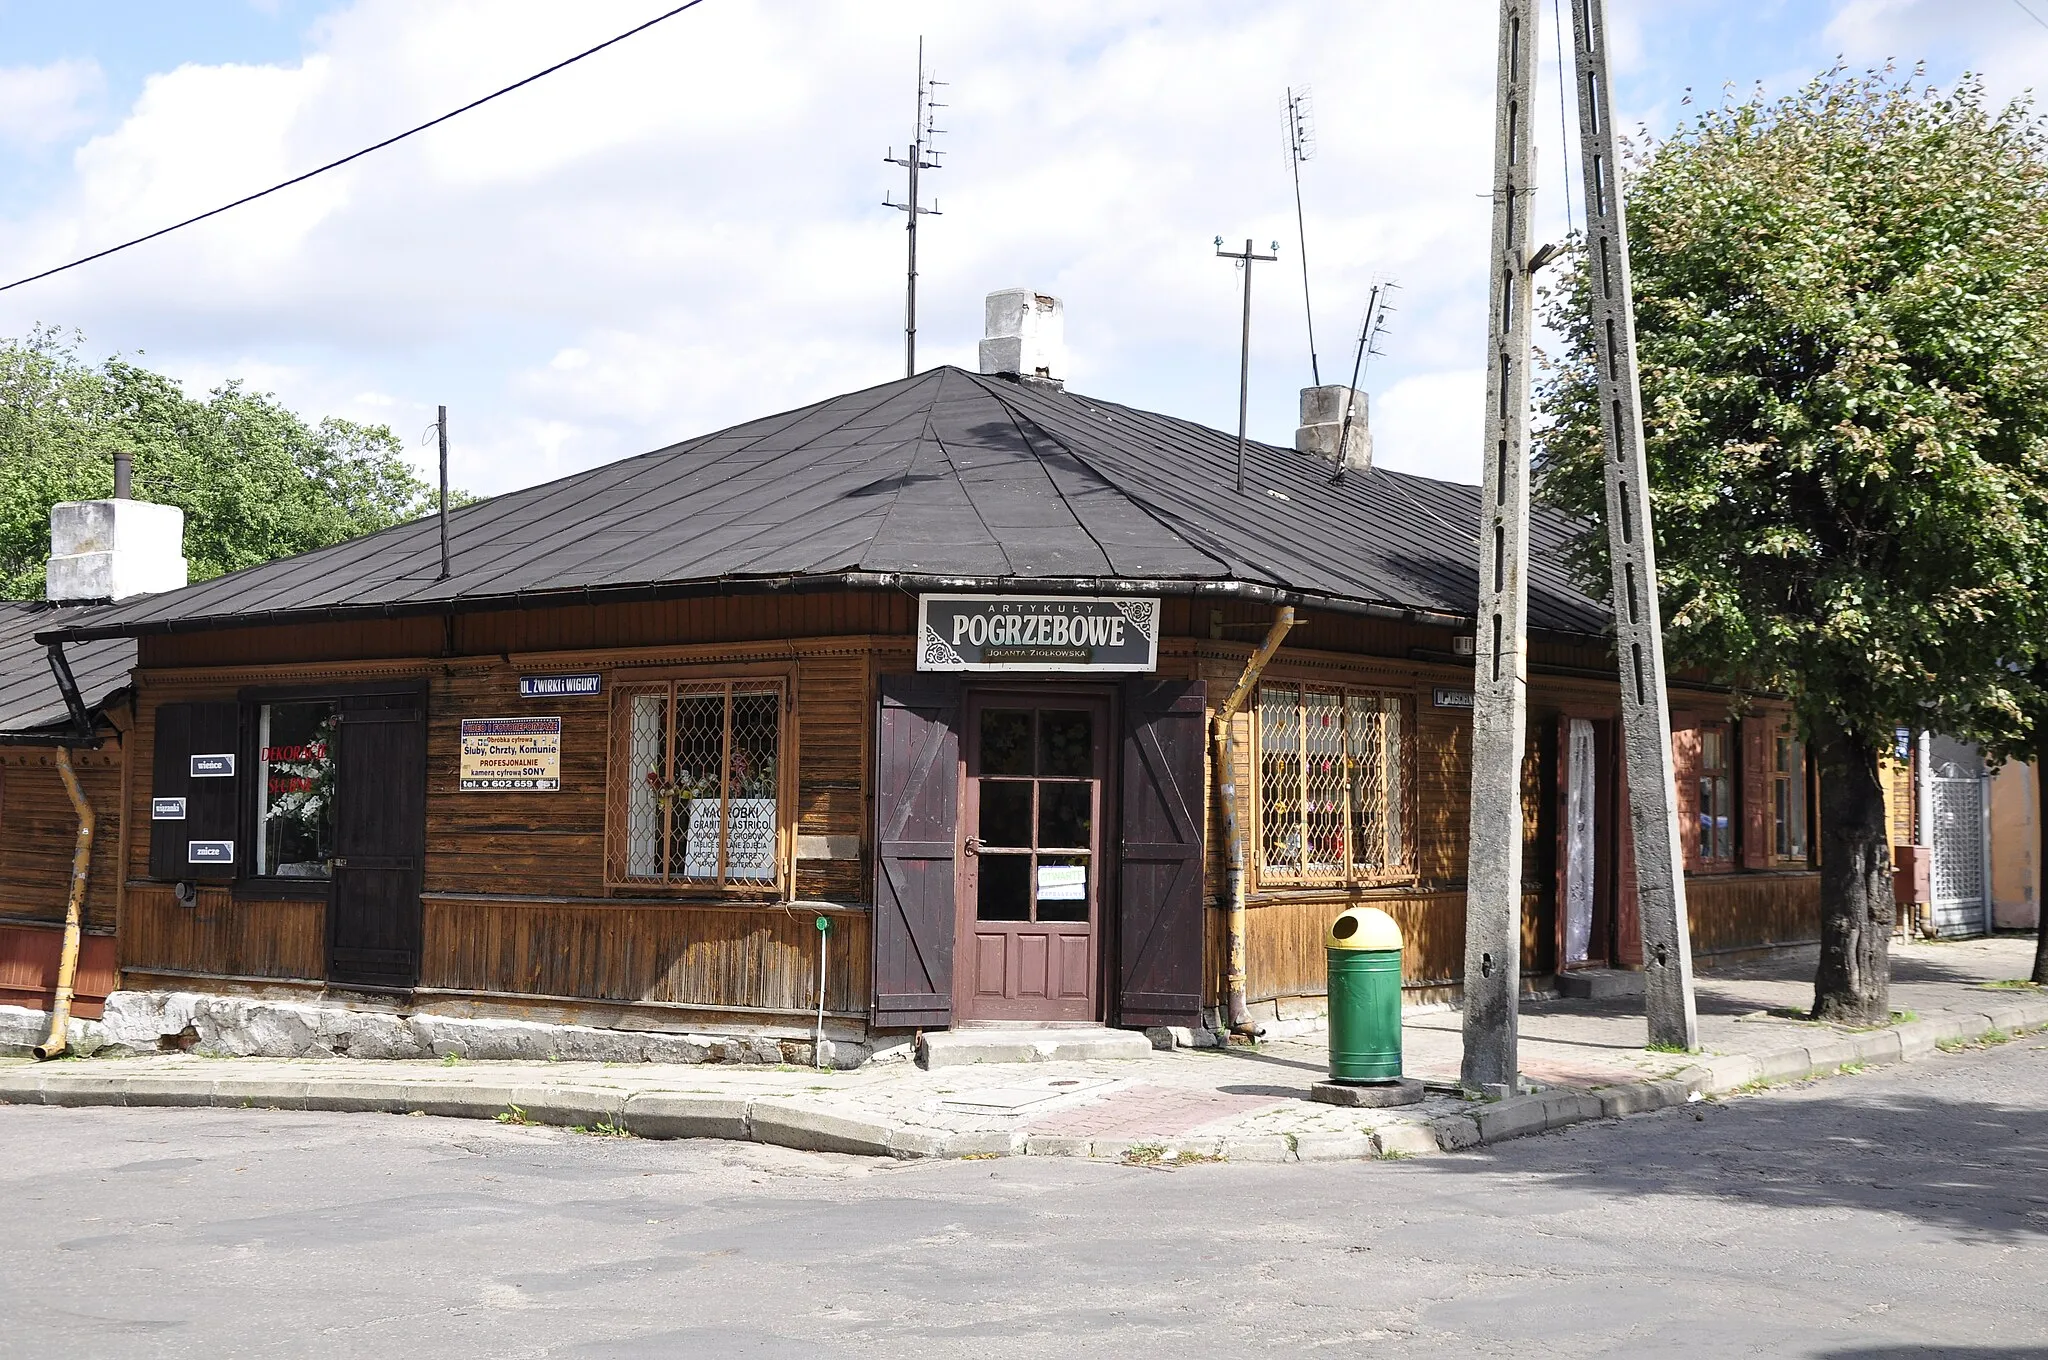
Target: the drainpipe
(1223, 740)
(67, 961)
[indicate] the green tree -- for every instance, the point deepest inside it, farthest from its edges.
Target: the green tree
(255, 481)
(1842, 316)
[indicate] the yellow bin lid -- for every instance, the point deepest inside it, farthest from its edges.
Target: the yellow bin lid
(1364, 928)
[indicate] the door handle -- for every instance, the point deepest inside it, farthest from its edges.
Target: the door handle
(973, 846)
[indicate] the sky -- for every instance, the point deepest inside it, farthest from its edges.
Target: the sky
(687, 231)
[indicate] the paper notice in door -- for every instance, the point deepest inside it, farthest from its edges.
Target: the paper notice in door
(1062, 882)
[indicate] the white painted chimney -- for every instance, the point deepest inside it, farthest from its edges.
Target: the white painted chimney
(1024, 335)
(1322, 426)
(112, 549)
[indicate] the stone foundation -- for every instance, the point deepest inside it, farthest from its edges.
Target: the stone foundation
(244, 1027)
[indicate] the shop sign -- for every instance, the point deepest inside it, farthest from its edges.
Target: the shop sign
(1447, 697)
(1037, 633)
(552, 686)
(511, 755)
(167, 809)
(214, 767)
(209, 852)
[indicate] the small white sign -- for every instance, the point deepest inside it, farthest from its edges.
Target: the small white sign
(220, 766)
(1453, 698)
(749, 844)
(209, 852)
(167, 809)
(1062, 882)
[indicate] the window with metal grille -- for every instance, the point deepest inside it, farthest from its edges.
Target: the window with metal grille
(1331, 777)
(697, 783)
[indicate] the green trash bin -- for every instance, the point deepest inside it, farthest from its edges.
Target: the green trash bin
(1364, 948)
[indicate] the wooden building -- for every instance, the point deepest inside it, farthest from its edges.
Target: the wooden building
(909, 690)
(38, 821)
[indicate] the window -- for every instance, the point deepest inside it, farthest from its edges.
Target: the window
(697, 771)
(1717, 806)
(1330, 784)
(1788, 798)
(294, 789)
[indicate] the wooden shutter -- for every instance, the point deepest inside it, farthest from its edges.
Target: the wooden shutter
(1757, 825)
(1159, 884)
(1685, 764)
(917, 797)
(212, 803)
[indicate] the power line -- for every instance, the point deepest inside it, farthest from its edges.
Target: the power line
(2030, 14)
(357, 155)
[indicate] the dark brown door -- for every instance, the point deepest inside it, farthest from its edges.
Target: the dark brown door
(917, 842)
(1159, 864)
(373, 911)
(1031, 868)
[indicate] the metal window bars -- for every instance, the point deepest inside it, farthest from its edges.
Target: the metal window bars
(697, 778)
(1331, 786)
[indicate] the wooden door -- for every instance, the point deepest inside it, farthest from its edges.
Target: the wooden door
(1159, 862)
(1031, 871)
(373, 914)
(917, 793)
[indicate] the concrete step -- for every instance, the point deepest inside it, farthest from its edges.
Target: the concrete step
(1600, 984)
(959, 1047)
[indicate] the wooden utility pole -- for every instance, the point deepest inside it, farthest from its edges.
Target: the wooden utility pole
(441, 429)
(1638, 631)
(1493, 886)
(1245, 260)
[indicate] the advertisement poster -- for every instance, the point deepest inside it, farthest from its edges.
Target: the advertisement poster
(514, 755)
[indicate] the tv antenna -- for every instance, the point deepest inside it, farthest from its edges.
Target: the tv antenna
(922, 130)
(1370, 333)
(1301, 146)
(1244, 260)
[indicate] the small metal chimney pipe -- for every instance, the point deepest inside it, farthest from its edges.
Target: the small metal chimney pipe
(124, 475)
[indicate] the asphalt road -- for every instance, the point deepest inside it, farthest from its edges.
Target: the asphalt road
(1902, 1212)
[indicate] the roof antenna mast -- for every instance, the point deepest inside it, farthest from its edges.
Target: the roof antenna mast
(1369, 336)
(1301, 146)
(922, 131)
(1244, 260)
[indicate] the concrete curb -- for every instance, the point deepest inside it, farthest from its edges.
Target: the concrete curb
(786, 1122)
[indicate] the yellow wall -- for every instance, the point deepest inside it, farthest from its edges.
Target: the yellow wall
(2015, 847)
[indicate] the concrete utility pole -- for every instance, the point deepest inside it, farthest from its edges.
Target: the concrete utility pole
(1638, 630)
(1493, 880)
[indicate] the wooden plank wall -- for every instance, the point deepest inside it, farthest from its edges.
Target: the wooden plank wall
(1735, 913)
(696, 956)
(218, 935)
(39, 834)
(28, 969)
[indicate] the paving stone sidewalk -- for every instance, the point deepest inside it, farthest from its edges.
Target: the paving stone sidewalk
(1241, 1103)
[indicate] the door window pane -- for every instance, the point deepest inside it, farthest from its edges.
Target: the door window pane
(1062, 887)
(1006, 741)
(1065, 812)
(295, 789)
(1003, 888)
(1066, 744)
(1005, 812)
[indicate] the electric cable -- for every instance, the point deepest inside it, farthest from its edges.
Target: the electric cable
(358, 155)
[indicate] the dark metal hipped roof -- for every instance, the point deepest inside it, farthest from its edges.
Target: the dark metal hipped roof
(948, 476)
(30, 702)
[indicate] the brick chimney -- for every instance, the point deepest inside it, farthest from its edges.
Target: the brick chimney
(1322, 426)
(1025, 335)
(112, 549)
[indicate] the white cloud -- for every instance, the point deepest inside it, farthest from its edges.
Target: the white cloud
(44, 105)
(686, 231)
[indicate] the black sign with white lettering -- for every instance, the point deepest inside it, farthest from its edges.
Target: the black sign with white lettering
(167, 809)
(1453, 698)
(1037, 633)
(213, 767)
(209, 852)
(551, 686)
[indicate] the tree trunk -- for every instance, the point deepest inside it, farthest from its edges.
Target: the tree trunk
(1853, 983)
(2041, 868)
